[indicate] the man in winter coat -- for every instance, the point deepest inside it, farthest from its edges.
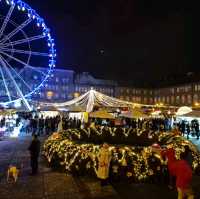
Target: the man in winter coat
(34, 149)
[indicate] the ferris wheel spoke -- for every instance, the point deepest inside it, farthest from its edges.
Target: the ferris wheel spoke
(24, 52)
(4, 81)
(21, 41)
(6, 20)
(18, 75)
(23, 63)
(15, 84)
(16, 30)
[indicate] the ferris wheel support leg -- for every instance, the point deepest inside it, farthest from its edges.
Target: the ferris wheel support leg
(16, 86)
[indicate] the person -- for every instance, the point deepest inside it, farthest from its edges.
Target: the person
(104, 158)
(187, 155)
(34, 149)
(60, 125)
(181, 170)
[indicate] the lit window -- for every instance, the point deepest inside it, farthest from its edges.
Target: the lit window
(177, 99)
(167, 99)
(195, 98)
(49, 94)
(189, 99)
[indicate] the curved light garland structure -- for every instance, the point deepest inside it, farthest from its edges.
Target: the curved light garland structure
(92, 98)
(77, 151)
(26, 45)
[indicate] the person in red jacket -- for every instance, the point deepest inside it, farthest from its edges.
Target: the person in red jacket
(180, 169)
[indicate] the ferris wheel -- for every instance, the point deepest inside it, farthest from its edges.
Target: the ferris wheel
(26, 50)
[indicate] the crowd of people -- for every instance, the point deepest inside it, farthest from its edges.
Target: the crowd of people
(41, 125)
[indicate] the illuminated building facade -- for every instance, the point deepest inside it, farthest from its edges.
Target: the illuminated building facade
(64, 85)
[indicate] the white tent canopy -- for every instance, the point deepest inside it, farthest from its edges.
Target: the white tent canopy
(183, 110)
(92, 98)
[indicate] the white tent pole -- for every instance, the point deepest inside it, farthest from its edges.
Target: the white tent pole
(90, 104)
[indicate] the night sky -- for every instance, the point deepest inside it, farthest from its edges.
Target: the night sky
(133, 40)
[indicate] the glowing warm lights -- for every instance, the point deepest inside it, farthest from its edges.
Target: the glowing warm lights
(183, 110)
(76, 156)
(49, 94)
(196, 104)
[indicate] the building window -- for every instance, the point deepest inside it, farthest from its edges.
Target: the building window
(172, 99)
(195, 98)
(196, 87)
(183, 99)
(189, 99)
(167, 99)
(177, 99)
(49, 94)
(172, 90)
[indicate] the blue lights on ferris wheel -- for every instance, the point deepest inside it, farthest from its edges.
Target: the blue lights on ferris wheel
(40, 23)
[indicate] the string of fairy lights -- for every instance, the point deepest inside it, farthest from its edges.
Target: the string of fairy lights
(77, 155)
(93, 98)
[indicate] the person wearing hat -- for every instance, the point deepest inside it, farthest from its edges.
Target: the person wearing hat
(180, 169)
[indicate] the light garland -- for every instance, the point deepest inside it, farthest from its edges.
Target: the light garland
(75, 156)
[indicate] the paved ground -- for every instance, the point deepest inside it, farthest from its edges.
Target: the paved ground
(54, 185)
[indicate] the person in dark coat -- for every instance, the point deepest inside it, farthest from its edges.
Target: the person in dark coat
(187, 155)
(34, 149)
